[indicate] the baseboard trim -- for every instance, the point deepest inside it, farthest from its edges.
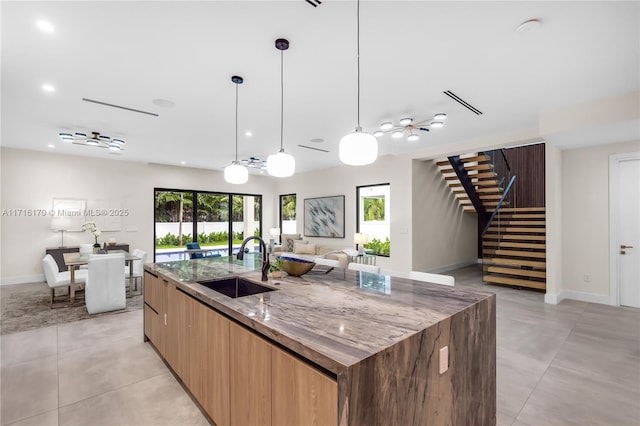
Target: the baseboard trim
(451, 267)
(554, 299)
(22, 280)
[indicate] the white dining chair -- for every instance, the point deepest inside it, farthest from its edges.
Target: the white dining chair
(363, 268)
(105, 286)
(85, 250)
(432, 278)
(138, 269)
(56, 279)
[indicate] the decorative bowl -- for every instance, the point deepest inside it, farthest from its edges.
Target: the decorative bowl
(296, 267)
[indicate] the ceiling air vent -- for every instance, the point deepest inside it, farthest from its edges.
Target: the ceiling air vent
(120, 106)
(462, 102)
(313, 148)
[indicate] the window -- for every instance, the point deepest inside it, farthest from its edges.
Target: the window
(178, 221)
(288, 223)
(373, 208)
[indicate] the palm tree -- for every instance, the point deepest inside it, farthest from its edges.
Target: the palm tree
(373, 208)
(289, 207)
(171, 204)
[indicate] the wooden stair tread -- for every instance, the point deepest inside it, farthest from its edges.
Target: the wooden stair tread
(515, 281)
(478, 167)
(491, 182)
(521, 216)
(535, 246)
(490, 196)
(515, 236)
(509, 222)
(516, 262)
(476, 159)
(494, 190)
(518, 253)
(525, 209)
(518, 230)
(517, 271)
(483, 175)
(443, 163)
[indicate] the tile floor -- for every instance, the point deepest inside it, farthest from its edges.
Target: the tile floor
(574, 363)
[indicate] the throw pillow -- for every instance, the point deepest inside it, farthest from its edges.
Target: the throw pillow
(304, 248)
(288, 243)
(283, 237)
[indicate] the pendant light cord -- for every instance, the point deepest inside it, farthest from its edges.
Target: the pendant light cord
(236, 122)
(358, 43)
(281, 101)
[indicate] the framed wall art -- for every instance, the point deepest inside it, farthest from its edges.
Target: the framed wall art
(324, 217)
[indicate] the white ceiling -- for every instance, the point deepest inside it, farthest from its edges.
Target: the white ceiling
(129, 53)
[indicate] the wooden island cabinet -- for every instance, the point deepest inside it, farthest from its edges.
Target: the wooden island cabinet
(237, 377)
(358, 349)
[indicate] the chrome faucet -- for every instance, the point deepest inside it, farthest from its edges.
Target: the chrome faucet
(265, 256)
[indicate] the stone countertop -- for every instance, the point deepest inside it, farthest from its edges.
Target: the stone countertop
(331, 321)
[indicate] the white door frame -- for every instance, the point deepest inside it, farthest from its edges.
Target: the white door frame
(614, 203)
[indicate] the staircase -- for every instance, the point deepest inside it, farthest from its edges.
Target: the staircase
(514, 242)
(480, 170)
(514, 248)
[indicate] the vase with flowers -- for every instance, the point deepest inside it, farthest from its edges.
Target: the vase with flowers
(93, 228)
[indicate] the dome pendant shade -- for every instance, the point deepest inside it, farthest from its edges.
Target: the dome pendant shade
(236, 174)
(358, 148)
(281, 164)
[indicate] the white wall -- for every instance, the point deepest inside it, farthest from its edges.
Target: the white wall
(585, 220)
(553, 217)
(342, 180)
(30, 180)
(444, 237)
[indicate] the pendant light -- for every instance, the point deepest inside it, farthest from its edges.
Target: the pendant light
(236, 173)
(358, 148)
(281, 164)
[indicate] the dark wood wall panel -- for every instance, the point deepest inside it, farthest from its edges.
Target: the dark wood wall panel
(527, 163)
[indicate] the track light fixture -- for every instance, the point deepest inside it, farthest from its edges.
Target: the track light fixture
(95, 139)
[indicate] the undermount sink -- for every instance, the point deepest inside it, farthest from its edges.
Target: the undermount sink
(235, 287)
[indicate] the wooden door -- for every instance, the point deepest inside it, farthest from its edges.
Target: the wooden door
(250, 379)
(302, 394)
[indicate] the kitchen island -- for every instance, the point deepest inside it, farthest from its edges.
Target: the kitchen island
(319, 349)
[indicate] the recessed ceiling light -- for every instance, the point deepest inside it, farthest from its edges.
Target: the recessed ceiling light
(183, 162)
(397, 134)
(406, 121)
(45, 26)
(378, 133)
(163, 103)
(440, 116)
(436, 124)
(529, 26)
(48, 87)
(51, 145)
(413, 137)
(317, 140)
(248, 133)
(386, 125)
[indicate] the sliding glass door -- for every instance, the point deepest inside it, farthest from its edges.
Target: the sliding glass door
(219, 221)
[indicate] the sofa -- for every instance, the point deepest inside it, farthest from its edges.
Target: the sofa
(293, 246)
